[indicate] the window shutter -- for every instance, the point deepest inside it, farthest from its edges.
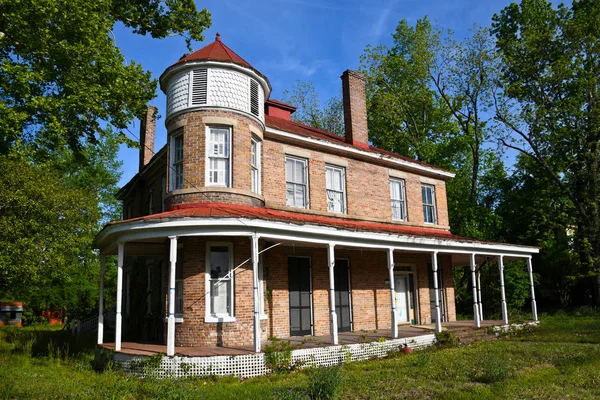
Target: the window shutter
(254, 97)
(199, 86)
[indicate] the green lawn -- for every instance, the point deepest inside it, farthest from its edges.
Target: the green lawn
(560, 359)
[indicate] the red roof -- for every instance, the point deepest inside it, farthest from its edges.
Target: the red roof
(306, 130)
(216, 51)
(220, 210)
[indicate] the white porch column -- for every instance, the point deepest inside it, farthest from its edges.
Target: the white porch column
(438, 315)
(256, 294)
(477, 320)
(171, 319)
(390, 260)
(101, 300)
(533, 304)
(118, 318)
(502, 292)
(479, 293)
(333, 316)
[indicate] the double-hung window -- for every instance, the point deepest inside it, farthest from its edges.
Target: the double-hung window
(296, 182)
(398, 198)
(177, 162)
(218, 152)
(219, 265)
(429, 213)
(336, 188)
(255, 165)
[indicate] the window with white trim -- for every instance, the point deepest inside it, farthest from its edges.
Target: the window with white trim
(218, 153)
(163, 192)
(177, 162)
(428, 195)
(150, 201)
(219, 270)
(398, 199)
(336, 188)
(255, 165)
(179, 284)
(296, 182)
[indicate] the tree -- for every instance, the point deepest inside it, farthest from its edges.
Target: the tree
(428, 96)
(551, 77)
(310, 111)
(46, 232)
(64, 81)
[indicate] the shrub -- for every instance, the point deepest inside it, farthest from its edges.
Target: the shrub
(324, 383)
(278, 356)
(446, 339)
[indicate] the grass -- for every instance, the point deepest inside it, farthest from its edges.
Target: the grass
(560, 359)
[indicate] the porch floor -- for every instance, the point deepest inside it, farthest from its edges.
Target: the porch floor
(361, 336)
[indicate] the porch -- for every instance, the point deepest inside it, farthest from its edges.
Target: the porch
(407, 332)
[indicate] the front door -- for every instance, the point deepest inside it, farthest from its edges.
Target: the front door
(402, 302)
(300, 292)
(342, 296)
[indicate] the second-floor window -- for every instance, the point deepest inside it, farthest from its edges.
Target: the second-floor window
(255, 166)
(296, 182)
(218, 150)
(398, 198)
(336, 188)
(429, 213)
(177, 162)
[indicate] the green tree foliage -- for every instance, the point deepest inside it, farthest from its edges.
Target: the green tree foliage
(64, 81)
(551, 76)
(46, 233)
(328, 116)
(427, 96)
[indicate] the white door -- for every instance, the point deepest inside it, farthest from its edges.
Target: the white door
(401, 288)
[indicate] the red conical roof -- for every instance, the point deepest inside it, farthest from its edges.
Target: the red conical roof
(216, 51)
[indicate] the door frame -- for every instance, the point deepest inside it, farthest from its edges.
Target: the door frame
(415, 286)
(349, 292)
(312, 318)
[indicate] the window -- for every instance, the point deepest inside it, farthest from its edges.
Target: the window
(428, 194)
(255, 166)
(218, 152)
(296, 181)
(177, 162)
(261, 287)
(149, 286)
(219, 266)
(398, 198)
(179, 284)
(336, 188)
(163, 192)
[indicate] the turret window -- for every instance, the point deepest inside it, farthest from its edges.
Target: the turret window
(254, 97)
(218, 151)
(255, 165)
(176, 162)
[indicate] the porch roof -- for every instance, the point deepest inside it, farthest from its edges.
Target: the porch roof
(250, 218)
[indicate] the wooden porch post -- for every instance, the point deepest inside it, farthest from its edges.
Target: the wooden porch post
(256, 294)
(333, 315)
(171, 318)
(101, 300)
(533, 304)
(118, 318)
(390, 259)
(477, 320)
(438, 316)
(502, 292)
(479, 293)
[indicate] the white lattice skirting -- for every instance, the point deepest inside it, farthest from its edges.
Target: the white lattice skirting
(250, 365)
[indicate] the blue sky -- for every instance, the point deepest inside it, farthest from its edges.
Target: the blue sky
(290, 40)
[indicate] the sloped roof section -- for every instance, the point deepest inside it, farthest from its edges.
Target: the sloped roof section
(306, 130)
(216, 51)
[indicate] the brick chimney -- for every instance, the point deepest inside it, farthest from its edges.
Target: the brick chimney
(147, 130)
(355, 108)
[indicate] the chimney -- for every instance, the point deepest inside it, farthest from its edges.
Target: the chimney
(147, 130)
(355, 108)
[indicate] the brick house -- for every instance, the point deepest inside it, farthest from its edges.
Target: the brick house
(248, 225)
